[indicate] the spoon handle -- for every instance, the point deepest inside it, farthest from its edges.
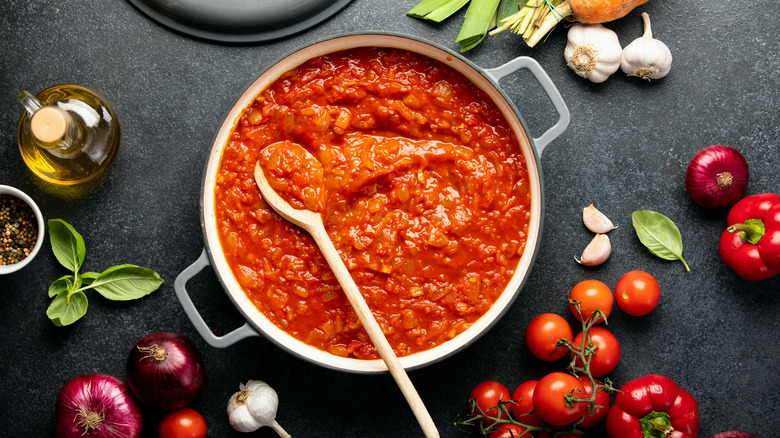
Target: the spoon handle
(319, 234)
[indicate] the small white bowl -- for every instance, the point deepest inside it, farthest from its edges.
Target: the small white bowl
(8, 190)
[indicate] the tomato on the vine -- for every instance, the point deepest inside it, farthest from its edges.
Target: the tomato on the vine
(592, 295)
(182, 423)
(637, 293)
(524, 404)
(607, 353)
(508, 430)
(550, 399)
(488, 394)
(543, 333)
(601, 408)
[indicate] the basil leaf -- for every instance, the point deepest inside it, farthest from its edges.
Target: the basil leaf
(126, 282)
(62, 284)
(67, 244)
(659, 234)
(88, 278)
(66, 309)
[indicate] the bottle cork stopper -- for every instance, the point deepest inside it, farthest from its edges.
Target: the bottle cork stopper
(49, 124)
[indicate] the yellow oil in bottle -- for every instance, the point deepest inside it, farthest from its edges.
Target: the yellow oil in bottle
(68, 135)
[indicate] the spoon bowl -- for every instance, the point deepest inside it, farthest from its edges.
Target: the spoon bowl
(311, 221)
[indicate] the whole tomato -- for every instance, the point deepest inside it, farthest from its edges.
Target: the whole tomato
(508, 430)
(550, 399)
(601, 408)
(637, 293)
(543, 333)
(592, 295)
(524, 404)
(488, 394)
(182, 423)
(607, 353)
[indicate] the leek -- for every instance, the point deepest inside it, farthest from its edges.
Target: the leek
(436, 10)
(479, 18)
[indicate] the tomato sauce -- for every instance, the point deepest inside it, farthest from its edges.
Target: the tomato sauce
(426, 197)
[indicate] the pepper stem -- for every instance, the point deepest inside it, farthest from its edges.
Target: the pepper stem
(656, 425)
(751, 231)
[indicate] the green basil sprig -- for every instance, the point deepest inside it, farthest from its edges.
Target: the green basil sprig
(659, 234)
(117, 283)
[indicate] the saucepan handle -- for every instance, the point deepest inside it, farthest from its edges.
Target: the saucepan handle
(203, 329)
(547, 84)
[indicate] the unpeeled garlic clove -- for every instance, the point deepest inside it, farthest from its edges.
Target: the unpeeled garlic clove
(596, 221)
(597, 251)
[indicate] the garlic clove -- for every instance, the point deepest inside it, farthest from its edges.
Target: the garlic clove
(646, 57)
(596, 221)
(597, 251)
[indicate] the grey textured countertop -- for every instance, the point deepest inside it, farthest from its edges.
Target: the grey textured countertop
(626, 149)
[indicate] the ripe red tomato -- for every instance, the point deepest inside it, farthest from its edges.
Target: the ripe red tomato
(607, 353)
(508, 430)
(602, 405)
(543, 333)
(593, 295)
(488, 394)
(550, 402)
(637, 293)
(524, 403)
(182, 423)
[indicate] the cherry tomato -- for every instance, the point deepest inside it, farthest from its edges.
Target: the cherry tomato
(637, 293)
(182, 423)
(543, 333)
(488, 394)
(602, 405)
(508, 430)
(550, 402)
(607, 353)
(524, 403)
(593, 295)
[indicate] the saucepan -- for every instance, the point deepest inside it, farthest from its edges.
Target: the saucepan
(486, 79)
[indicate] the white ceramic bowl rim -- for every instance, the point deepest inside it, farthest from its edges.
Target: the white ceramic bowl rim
(343, 42)
(13, 191)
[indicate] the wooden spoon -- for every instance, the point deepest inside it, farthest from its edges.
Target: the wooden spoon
(312, 222)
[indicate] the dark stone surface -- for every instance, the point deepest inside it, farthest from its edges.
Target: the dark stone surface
(626, 149)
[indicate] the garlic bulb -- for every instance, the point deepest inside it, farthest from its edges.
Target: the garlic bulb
(593, 51)
(597, 251)
(596, 221)
(253, 407)
(646, 57)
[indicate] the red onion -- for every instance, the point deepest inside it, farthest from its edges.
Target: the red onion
(165, 370)
(717, 177)
(96, 406)
(732, 434)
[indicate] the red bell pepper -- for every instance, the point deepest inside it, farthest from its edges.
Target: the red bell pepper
(653, 406)
(750, 246)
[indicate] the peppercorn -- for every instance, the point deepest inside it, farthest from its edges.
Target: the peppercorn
(18, 229)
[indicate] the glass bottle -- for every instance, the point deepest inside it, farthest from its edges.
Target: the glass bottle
(68, 134)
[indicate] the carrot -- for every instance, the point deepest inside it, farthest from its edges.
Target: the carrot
(602, 11)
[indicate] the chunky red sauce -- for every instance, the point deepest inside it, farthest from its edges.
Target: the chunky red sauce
(426, 198)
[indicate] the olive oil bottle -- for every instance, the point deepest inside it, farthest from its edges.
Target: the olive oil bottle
(68, 134)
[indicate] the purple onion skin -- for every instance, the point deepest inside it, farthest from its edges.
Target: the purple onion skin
(169, 383)
(702, 175)
(105, 396)
(732, 434)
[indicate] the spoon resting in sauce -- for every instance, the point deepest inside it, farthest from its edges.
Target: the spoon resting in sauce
(286, 168)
